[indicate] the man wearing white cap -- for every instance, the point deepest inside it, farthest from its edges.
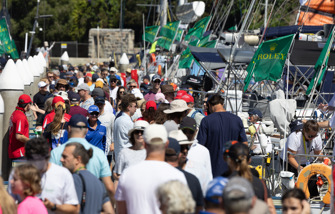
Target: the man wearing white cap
(39, 99)
(138, 183)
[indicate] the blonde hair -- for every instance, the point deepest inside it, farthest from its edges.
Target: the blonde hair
(7, 203)
(175, 198)
(55, 125)
(30, 177)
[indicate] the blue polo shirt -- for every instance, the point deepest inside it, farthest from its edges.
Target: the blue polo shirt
(97, 137)
(98, 164)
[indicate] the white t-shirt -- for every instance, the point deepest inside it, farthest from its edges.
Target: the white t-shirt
(108, 107)
(129, 157)
(107, 119)
(295, 143)
(199, 164)
(113, 92)
(138, 184)
(58, 186)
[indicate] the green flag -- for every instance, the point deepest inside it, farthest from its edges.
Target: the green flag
(194, 42)
(198, 29)
(186, 59)
(210, 44)
(150, 33)
(179, 35)
(203, 40)
(7, 43)
(269, 59)
(168, 34)
(322, 60)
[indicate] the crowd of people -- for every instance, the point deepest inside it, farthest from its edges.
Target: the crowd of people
(129, 143)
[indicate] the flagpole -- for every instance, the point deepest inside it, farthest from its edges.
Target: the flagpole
(144, 57)
(320, 71)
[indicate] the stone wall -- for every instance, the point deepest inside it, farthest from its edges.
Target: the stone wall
(110, 41)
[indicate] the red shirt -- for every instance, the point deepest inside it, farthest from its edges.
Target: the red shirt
(18, 124)
(50, 117)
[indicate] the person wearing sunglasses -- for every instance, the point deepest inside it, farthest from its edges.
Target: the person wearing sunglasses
(155, 88)
(307, 141)
(135, 153)
(96, 134)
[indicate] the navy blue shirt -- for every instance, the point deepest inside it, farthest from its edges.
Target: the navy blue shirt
(215, 130)
(97, 137)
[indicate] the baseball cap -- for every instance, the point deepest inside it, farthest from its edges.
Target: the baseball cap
(88, 74)
(180, 93)
(159, 97)
(173, 147)
(113, 69)
(83, 86)
(138, 125)
(188, 123)
(62, 82)
(236, 189)
(177, 106)
(77, 118)
(128, 70)
(95, 77)
(180, 137)
(24, 99)
(155, 134)
(215, 189)
(74, 97)
(98, 92)
(256, 112)
(150, 104)
(155, 77)
(187, 98)
(64, 95)
(99, 100)
(93, 108)
(99, 84)
(42, 84)
(57, 100)
(296, 125)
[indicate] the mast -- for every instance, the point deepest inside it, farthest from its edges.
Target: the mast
(163, 12)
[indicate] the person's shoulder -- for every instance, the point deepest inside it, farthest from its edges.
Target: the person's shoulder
(59, 170)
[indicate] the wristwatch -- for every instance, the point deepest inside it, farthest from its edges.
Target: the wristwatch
(54, 208)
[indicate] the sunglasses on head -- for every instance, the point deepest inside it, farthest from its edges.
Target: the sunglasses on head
(138, 132)
(94, 113)
(312, 136)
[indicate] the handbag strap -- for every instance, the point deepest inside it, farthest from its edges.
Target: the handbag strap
(83, 198)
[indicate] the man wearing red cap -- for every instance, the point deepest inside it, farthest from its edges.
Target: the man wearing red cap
(192, 112)
(58, 100)
(19, 128)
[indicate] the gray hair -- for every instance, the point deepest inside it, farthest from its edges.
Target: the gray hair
(175, 198)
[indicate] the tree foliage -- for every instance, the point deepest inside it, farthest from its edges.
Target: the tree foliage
(72, 19)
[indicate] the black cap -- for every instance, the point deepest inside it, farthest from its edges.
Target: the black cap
(173, 145)
(77, 118)
(257, 113)
(296, 125)
(95, 77)
(99, 100)
(188, 123)
(73, 97)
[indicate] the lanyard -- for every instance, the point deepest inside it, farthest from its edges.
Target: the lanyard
(305, 148)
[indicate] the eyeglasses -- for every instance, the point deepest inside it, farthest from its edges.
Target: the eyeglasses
(121, 92)
(131, 86)
(157, 81)
(113, 81)
(138, 132)
(50, 76)
(185, 146)
(94, 113)
(188, 131)
(61, 86)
